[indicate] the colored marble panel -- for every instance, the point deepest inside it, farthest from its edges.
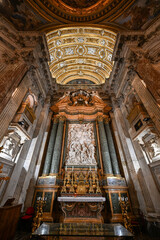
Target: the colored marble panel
(108, 206)
(48, 196)
(115, 203)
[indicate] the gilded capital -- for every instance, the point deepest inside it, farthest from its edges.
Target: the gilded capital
(100, 118)
(62, 118)
(55, 119)
(107, 119)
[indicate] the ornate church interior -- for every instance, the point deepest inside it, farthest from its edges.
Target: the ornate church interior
(79, 119)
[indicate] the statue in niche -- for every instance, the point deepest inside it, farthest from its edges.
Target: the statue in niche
(153, 148)
(11, 145)
(81, 145)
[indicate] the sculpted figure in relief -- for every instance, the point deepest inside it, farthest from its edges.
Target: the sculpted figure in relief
(153, 148)
(10, 147)
(81, 145)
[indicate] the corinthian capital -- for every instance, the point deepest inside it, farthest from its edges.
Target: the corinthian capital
(106, 119)
(100, 118)
(62, 118)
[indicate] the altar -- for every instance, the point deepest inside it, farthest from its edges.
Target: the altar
(82, 208)
(81, 178)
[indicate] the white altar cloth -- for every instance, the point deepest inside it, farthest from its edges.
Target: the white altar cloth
(81, 199)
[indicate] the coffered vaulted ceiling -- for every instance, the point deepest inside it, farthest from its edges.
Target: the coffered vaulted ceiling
(81, 53)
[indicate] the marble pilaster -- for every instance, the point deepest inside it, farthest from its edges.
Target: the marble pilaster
(131, 159)
(31, 188)
(104, 148)
(36, 147)
(148, 101)
(150, 191)
(13, 104)
(15, 180)
(50, 148)
(111, 147)
(57, 148)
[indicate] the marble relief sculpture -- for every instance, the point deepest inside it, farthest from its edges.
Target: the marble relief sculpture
(153, 148)
(11, 145)
(81, 145)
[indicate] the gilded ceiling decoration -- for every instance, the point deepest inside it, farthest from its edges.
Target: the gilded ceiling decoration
(80, 10)
(80, 3)
(81, 53)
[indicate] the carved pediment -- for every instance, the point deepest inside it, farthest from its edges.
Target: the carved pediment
(80, 103)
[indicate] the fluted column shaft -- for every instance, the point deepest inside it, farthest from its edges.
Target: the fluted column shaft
(48, 159)
(111, 147)
(57, 148)
(104, 148)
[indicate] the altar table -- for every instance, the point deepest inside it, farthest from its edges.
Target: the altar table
(82, 209)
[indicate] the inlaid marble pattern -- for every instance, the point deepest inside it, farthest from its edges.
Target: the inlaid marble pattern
(81, 145)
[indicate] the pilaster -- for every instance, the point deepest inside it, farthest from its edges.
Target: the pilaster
(38, 138)
(13, 104)
(148, 101)
(14, 186)
(131, 159)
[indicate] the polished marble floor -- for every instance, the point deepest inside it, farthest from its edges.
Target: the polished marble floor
(22, 235)
(27, 236)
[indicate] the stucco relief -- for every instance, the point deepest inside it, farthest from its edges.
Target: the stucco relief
(81, 145)
(153, 148)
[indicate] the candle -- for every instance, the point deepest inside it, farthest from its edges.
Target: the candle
(65, 168)
(126, 199)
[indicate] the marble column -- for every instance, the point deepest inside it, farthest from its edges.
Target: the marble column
(104, 148)
(65, 144)
(97, 150)
(50, 148)
(111, 147)
(57, 148)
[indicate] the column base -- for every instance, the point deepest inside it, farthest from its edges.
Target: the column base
(117, 175)
(53, 174)
(105, 176)
(46, 180)
(44, 175)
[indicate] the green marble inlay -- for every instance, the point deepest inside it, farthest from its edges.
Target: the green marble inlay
(48, 196)
(108, 205)
(115, 203)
